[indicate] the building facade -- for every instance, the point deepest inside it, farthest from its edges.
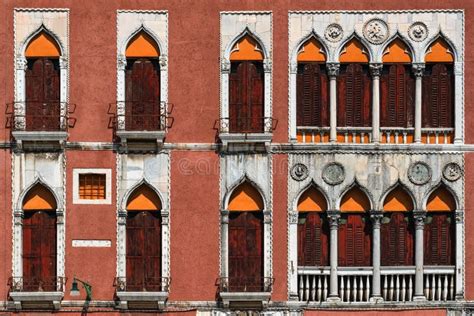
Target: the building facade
(248, 157)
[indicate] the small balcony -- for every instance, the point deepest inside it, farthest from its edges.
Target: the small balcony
(150, 293)
(246, 130)
(242, 293)
(36, 293)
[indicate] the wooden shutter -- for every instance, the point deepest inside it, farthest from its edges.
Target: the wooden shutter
(354, 86)
(39, 251)
(313, 240)
(312, 95)
(142, 84)
(397, 240)
(354, 247)
(42, 95)
(397, 87)
(438, 96)
(245, 252)
(143, 251)
(439, 232)
(246, 97)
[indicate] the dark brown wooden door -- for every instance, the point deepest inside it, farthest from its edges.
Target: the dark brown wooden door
(246, 97)
(312, 95)
(397, 234)
(313, 239)
(355, 233)
(39, 251)
(354, 96)
(144, 251)
(397, 102)
(439, 239)
(438, 96)
(245, 252)
(42, 95)
(142, 95)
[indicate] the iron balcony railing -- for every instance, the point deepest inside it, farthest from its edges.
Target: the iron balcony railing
(247, 125)
(141, 116)
(35, 284)
(231, 284)
(160, 284)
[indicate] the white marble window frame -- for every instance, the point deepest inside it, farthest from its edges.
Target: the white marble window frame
(76, 172)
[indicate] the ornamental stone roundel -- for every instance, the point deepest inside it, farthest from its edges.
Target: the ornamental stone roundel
(452, 171)
(419, 173)
(333, 32)
(333, 173)
(376, 31)
(299, 172)
(418, 31)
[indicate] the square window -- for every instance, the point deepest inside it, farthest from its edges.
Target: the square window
(92, 186)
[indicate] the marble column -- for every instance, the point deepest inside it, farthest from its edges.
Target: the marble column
(333, 71)
(376, 71)
(419, 217)
(418, 72)
(376, 218)
(333, 217)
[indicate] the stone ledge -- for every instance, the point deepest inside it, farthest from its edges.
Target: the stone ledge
(19, 298)
(125, 297)
(245, 297)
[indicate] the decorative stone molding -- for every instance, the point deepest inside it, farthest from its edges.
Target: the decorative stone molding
(418, 69)
(375, 69)
(333, 69)
(418, 31)
(419, 173)
(293, 217)
(376, 31)
(452, 171)
(299, 172)
(333, 173)
(459, 216)
(420, 217)
(334, 32)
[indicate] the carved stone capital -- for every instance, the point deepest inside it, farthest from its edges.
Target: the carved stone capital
(375, 70)
(63, 62)
(267, 218)
(165, 220)
(459, 216)
(419, 217)
(333, 218)
(267, 65)
(418, 69)
(376, 218)
(121, 63)
(225, 65)
(163, 59)
(21, 63)
(458, 68)
(293, 217)
(333, 69)
(293, 68)
(225, 217)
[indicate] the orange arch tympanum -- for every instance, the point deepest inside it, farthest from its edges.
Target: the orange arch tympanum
(398, 200)
(142, 45)
(245, 198)
(439, 52)
(144, 198)
(42, 45)
(311, 50)
(246, 49)
(355, 200)
(39, 198)
(441, 200)
(397, 52)
(354, 52)
(312, 200)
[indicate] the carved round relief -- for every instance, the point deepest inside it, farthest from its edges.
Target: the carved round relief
(333, 32)
(452, 171)
(418, 31)
(376, 31)
(419, 173)
(299, 172)
(333, 173)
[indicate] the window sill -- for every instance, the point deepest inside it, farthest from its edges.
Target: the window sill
(127, 300)
(40, 140)
(141, 141)
(35, 300)
(236, 139)
(236, 299)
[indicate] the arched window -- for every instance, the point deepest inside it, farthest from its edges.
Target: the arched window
(312, 86)
(313, 229)
(245, 239)
(143, 241)
(246, 87)
(438, 86)
(439, 231)
(39, 240)
(397, 229)
(355, 230)
(142, 84)
(42, 83)
(397, 87)
(353, 87)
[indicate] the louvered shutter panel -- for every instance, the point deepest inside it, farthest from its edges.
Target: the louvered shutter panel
(439, 243)
(313, 246)
(438, 96)
(256, 86)
(355, 241)
(236, 95)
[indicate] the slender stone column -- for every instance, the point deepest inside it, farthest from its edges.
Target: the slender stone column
(376, 284)
(293, 255)
(224, 243)
(459, 215)
(19, 106)
(419, 231)
(333, 217)
(63, 69)
(333, 71)
(121, 65)
(375, 71)
(418, 71)
(458, 102)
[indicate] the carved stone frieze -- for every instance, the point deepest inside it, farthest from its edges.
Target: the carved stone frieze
(376, 31)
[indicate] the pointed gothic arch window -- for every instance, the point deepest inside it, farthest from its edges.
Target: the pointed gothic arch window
(439, 231)
(397, 87)
(246, 87)
(143, 259)
(355, 230)
(39, 240)
(353, 86)
(313, 229)
(397, 229)
(142, 84)
(312, 85)
(42, 83)
(245, 239)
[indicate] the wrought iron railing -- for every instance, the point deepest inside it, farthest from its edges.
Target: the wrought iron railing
(160, 284)
(34, 284)
(231, 284)
(141, 116)
(247, 125)
(40, 116)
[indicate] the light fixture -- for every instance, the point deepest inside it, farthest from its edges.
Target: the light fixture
(75, 289)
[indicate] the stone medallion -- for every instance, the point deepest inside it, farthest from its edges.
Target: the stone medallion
(419, 173)
(452, 171)
(333, 173)
(376, 31)
(333, 32)
(418, 31)
(299, 172)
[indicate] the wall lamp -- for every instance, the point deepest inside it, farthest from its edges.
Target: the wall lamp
(75, 289)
